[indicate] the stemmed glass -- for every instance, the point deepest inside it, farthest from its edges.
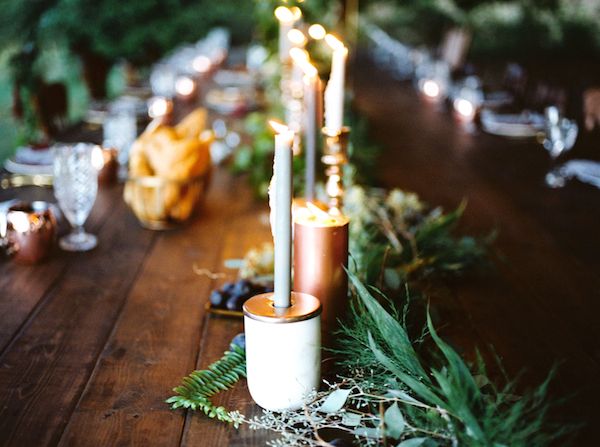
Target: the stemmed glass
(561, 134)
(75, 188)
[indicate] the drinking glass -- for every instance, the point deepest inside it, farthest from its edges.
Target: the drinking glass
(120, 129)
(560, 136)
(75, 188)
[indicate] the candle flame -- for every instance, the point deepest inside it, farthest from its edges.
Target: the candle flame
(300, 58)
(431, 88)
(278, 127)
(334, 42)
(287, 15)
(185, 86)
(464, 107)
(317, 31)
(296, 36)
(317, 212)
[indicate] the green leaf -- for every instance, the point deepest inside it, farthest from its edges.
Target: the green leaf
(394, 421)
(335, 401)
(412, 442)
(374, 433)
(390, 329)
(351, 419)
(405, 397)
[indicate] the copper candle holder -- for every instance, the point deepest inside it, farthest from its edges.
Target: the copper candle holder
(320, 258)
(30, 231)
(335, 157)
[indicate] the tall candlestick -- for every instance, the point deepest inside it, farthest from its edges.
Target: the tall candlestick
(286, 17)
(282, 233)
(311, 126)
(334, 92)
(311, 83)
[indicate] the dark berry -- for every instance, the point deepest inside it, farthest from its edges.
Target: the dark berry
(218, 298)
(239, 340)
(235, 302)
(228, 287)
(242, 288)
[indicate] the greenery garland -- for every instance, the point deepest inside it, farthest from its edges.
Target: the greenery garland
(388, 392)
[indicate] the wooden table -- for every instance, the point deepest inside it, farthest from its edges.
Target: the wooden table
(91, 343)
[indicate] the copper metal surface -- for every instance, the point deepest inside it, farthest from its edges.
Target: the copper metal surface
(320, 255)
(30, 231)
(260, 307)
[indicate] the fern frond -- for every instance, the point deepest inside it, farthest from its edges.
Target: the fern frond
(196, 389)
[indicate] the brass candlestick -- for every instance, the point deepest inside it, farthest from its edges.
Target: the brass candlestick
(335, 157)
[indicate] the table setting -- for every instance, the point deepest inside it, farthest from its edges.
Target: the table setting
(210, 263)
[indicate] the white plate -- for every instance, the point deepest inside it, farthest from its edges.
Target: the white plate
(524, 125)
(11, 165)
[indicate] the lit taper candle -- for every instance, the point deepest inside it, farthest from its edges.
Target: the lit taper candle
(286, 17)
(282, 222)
(312, 89)
(334, 92)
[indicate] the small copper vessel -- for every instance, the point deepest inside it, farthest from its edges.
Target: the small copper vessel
(30, 231)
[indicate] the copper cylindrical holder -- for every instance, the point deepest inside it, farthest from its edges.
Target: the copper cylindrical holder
(334, 158)
(320, 258)
(30, 231)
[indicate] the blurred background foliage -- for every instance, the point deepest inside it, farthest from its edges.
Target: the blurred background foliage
(521, 30)
(44, 41)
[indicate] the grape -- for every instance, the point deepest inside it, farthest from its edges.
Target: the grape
(217, 298)
(235, 302)
(228, 287)
(242, 287)
(239, 340)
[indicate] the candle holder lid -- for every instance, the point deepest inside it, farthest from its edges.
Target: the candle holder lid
(261, 308)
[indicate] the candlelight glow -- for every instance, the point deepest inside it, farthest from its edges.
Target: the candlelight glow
(334, 42)
(300, 58)
(278, 127)
(201, 63)
(185, 86)
(296, 36)
(97, 158)
(20, 222)
(287, 15)
(158, 106)
(430, 88)
(318, 213)
(464, 107)
(317, 31)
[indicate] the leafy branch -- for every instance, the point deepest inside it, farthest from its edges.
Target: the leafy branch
(197, 388)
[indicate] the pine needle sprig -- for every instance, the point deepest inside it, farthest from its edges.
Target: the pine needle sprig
(196, 389)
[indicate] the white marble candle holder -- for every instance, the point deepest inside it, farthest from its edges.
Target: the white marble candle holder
(283, 350)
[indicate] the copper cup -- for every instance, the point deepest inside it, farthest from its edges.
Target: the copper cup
(30, 231)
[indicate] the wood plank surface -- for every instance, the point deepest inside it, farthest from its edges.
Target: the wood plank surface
(158, 335)
(536, 308)
(92, 343)
(45, 369)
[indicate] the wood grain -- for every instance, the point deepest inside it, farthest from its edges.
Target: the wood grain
(46, 368)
